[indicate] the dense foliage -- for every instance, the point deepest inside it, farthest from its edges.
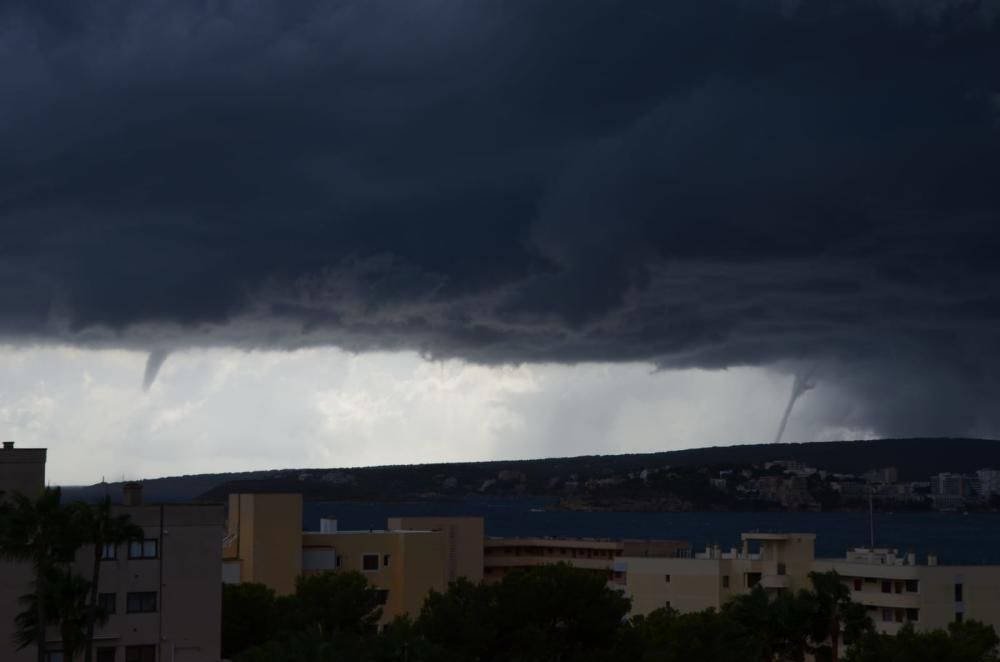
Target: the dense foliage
(557, 613)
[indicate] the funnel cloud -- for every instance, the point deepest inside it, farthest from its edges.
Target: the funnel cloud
(154, 362)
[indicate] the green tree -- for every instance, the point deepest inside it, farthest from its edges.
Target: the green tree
(460, 623)
(833, 615)
(97, 525)
(963, 642)
(769, 628)
(338, 603)
(248, 617)
(552, 612)
(38, 532)
(67, 608)
(665, 635)
(305, 646)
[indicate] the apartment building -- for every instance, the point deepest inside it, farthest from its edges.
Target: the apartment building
(265, 543)
(501, 555)
(163, 593)
(21, 470)
(895, 589)
(711, 578)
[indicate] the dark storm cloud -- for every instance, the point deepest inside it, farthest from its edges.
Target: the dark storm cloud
(708, 183)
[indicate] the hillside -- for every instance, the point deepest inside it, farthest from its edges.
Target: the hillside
(612, 475)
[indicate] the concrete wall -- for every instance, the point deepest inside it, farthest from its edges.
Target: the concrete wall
(21, 470)
(186, 577)
(694, 584)
(266, 535)
(462, 546)
(415, 563)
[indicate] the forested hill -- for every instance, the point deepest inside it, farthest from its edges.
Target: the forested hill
(915, 459)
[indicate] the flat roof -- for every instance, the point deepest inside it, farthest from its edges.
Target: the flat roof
(776, 536)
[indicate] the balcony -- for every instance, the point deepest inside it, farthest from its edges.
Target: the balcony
(775, 581)
(878, 599)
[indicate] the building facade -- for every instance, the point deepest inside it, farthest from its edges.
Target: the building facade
(163, 593)
(22, 470)
(894, 589)
(501, 555)
(265, 543)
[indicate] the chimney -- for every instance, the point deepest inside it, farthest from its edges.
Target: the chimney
(132, 494)
(327, 525)
(932, 559)
(8, 445)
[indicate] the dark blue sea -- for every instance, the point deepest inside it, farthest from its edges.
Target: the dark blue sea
(954, 537)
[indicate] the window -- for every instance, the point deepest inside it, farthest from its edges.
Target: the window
(383, 595)
(140, 603)
(912, 585)
(369, 562)
(109, 551)
(900, 613)
(959, 617)
(887, 586)
(753, 578)
(913, 615)
(140, 654)
(143, 549)
(666, 578)
(781, 569)
(385, 560)
(888, 615)
(106, 654)
(959, 593)
(725, 581)
(54, 656)
(107, 602)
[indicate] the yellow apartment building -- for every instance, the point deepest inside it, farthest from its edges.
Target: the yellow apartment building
(895, 589)
(265, 543)
(163, 593)
(710, 578)
(501, 555)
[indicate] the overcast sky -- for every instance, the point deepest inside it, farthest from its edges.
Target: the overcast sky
(595, 215)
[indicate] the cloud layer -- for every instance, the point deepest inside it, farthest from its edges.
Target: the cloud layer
(699, 184)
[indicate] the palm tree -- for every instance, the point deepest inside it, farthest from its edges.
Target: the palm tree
(99, 526)
(66, 600)
(834, 614)
(37, 531)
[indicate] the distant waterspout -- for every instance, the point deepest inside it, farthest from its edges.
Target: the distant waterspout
(154, 362)
(803, 382)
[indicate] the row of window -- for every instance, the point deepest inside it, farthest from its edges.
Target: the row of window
(144, 653)
(136, 602)
(897, 615)
(550, 551)
(889, 585)
(137, 549)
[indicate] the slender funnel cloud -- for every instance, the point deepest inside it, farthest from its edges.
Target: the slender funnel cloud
(154, 362)
(803, 382)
